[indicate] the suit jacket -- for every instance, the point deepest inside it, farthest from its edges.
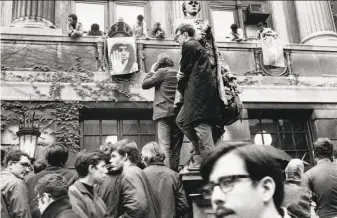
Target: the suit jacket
(170, 188)
(60, 208)
(165, 82)
(137, 197)
(197, 84)
(84, 203)
(70, 175)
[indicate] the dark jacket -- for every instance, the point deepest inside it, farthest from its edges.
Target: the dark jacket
(60, 208)
(106, 191)
(70, 175)
(165, 82)
(84, 203)
(137, 197)
(297, 200)
(170, 188)
(15, 196)
(197, 84)
(322, 181)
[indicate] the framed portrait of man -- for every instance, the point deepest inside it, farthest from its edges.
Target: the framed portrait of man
(122, 55)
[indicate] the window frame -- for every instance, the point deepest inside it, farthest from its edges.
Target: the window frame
(276, 115)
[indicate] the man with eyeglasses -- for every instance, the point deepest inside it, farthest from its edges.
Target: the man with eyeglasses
(243, 180)
(14, 192)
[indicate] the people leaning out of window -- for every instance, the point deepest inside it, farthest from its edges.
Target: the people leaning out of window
(74, 28)
(236, 33)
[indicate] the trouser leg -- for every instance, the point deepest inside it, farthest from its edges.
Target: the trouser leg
(205, 138)
(164, 139)
(177, 137)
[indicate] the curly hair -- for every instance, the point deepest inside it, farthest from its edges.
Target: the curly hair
(164, 60)
(53, 184)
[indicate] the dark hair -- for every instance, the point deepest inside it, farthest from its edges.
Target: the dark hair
(132, 56)
(259, 163)
(129, 147)
(184, 8)
(3, 154)
(106, 150)
(164, 60)
(234, 26)
(323, 148)
(57, 154)
(15, 156)
(185, 27)
(53, 184)
(86, 158)
(73, 16)
(260, 24)
(94, 27)
(140, 17)
(39, 165)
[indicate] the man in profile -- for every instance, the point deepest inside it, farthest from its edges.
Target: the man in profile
(91, 168)
(52, 197)
(134, 192)
(14, 199)
(163, 78)
(56, 156)
(74, 27)
(243, 180)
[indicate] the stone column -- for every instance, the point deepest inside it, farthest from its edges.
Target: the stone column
(34, 13)
(315, 22)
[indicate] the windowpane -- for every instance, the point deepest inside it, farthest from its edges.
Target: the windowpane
(222, 22)
(300, 141)
(89, 13)
(132, 137)
(254, 125)
(109, 138)
(130, 126)
(109, 127)
(285, 125)
(298, 125)
(91, 142)
(286, 141)
(147, 126)
(91, 127)
(268, 125)
(267, 139)
(129, 13)
(146, 139)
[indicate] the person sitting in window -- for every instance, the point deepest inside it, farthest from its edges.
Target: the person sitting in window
(157, 31)
(74, 28)
(139, 28)
(264, 31)
(94, 31)
(236, 34)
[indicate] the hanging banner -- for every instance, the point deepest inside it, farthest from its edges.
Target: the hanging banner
(122, 55)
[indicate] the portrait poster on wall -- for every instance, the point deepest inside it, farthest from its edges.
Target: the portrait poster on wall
(122, 55)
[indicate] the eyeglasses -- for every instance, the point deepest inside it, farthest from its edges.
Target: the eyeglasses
(26, 165)
(225, 184)
(176, 37)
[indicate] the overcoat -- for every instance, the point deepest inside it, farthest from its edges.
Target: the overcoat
(197, 84)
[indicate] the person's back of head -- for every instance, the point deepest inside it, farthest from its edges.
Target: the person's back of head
(127, 147)
(57, 155)
(151, 152)
(186, 27)
(39, 165)
(49, 188)
(164, 60)
(259, 163)
(140, 18)
(323, 148)
(294, 170)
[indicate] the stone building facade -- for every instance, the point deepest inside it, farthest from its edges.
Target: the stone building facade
(46, 71)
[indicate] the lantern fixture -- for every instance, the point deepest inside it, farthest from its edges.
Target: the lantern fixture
(29, 133)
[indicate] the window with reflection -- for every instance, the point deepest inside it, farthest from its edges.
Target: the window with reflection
(97, 132)
(287, 130)
(129, 13)
(222, 21)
